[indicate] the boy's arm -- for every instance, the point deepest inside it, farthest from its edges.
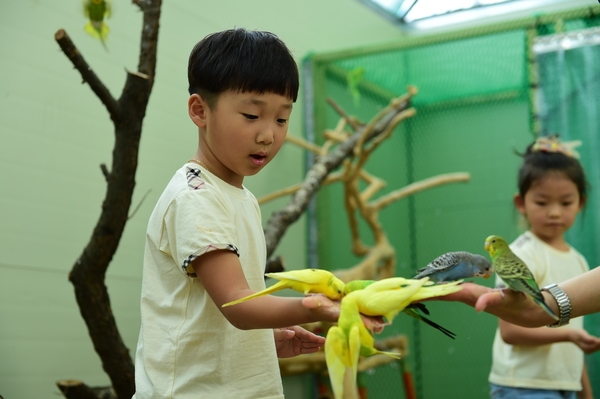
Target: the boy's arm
(221, 274)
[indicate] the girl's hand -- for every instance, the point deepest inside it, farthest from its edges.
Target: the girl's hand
(295, 340)
(588, 343)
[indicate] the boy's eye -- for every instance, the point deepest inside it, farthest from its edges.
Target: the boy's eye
(567, 203)
(248, 116)
(539, 203)
(282, 121)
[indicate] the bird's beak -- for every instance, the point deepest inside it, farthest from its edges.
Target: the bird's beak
(487, 245)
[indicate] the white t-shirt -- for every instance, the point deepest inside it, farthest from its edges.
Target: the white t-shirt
(557, 366)
(186, 347)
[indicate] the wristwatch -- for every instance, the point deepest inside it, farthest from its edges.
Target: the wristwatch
(564, 304)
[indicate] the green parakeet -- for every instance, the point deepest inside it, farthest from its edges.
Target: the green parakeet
(306, 281)
(513, 271)
(354, 77)
(97, 11)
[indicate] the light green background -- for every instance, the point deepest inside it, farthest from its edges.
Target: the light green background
(55, 133)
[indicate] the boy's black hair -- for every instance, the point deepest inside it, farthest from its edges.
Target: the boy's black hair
(537, 164)
(242, 61)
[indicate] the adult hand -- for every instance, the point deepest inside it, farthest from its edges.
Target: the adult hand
(509, 305)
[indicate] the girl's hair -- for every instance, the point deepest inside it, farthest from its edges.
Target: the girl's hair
(538, 162)
(243, 61)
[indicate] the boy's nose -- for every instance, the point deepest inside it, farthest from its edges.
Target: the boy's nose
(266, 135)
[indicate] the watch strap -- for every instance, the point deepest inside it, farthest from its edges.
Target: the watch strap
(564, 304)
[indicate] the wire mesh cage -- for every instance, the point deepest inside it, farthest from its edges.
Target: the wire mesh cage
(475, 108)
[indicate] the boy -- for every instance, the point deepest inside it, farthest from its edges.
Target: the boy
(205, 244)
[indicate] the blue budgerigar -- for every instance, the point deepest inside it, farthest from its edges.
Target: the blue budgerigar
(453, 266)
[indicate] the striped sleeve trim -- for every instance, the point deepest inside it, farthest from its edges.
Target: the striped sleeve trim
(205, 250)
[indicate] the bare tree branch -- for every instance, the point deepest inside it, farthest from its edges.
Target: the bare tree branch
(88, 272)
(88, 75)
(281, 220)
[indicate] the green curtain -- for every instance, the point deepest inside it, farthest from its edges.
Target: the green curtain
(569, 104)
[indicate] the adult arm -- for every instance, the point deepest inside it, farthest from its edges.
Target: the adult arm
(516, 308)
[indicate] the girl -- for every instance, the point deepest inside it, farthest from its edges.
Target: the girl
(543, 362)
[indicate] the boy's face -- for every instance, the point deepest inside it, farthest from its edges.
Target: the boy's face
(243, 132)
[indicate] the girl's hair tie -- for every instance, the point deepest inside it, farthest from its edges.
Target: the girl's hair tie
(553, 144)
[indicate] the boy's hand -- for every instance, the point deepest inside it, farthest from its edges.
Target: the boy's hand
(295, 340)
(324, 308)
(330, 310)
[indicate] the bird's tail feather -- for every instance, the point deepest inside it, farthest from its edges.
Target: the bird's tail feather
(273, 288)
(546, 308)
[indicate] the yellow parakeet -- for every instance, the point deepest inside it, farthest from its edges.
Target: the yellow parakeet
(346, 342)
(390, 296)
(386, 297)
(306, 281)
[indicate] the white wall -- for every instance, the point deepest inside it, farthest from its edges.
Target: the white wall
(55, 133)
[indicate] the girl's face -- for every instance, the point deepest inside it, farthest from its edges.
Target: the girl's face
(551, 205)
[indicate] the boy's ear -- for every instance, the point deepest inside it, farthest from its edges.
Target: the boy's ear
(197, 109)
(519, 203)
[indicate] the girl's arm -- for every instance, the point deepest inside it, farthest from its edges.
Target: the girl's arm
(523, 336)
(221, 274)
(586, 391)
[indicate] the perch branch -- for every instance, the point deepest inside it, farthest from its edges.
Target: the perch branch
(315, 362)
(307, 145)
(88, 75)
(420, 186)
(281, 220)
(343, 114)
(74, 389)
(331, 178)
